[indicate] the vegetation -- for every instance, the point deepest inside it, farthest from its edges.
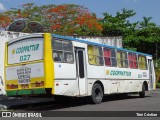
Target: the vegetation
(66, 19)
(140, 36)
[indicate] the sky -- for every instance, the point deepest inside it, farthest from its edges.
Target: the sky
(147, 8)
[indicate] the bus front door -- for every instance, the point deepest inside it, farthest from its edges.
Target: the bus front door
(81, 71)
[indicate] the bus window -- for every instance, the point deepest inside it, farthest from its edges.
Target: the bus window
(142, 62)
(132, 60)
(91, 56)
(57, 55)
(122, 59)
(110, 57)
(68, 57)
(62, 50)
(95, 55)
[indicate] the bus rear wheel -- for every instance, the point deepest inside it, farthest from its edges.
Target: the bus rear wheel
(142, 93)
(97, 94)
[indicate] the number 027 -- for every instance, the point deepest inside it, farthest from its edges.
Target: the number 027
(25, 57)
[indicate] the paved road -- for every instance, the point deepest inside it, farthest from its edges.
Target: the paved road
(120, 103)
(110, 103)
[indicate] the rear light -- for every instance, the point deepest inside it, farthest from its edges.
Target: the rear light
(38, 84)
(12, 86)
(25, 86)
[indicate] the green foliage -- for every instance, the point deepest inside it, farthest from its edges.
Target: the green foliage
(65, 19)
(143, 39)
(158, 85)
(146, 23)
(157, 64)
(116, 25)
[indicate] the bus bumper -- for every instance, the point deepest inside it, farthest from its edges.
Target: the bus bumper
(26, 92)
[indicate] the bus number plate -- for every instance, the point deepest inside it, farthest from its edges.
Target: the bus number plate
(24, 75)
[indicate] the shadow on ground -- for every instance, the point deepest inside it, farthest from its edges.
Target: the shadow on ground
(69, 102)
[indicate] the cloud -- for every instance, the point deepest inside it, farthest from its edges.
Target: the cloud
(2, 8)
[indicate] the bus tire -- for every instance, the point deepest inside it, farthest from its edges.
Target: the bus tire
(142, 93)
(97, 94)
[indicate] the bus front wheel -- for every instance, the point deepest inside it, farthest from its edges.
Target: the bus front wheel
(97, 94)
(142, 93)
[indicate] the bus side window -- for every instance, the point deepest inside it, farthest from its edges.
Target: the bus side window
(142, 62)
(110, 57)
(99, 56)
(68, 57)
(113, 58)
(122, 59)
(62, 50)
(57, 56)
(119, 59)
(91, 56)
(132, 58)
(95, 56)
(107, 55)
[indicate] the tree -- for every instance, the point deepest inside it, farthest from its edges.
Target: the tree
(144, 38)
(4, 21)
(66, 19)
(29, 12)
(146, 23)
(69, 19)
(116, 25)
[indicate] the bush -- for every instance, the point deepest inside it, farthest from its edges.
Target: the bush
(158, 85)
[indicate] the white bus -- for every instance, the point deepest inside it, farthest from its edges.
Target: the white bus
(63, 66)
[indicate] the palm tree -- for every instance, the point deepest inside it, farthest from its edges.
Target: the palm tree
(146, 22)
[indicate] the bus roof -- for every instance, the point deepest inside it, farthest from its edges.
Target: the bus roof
(97, 44)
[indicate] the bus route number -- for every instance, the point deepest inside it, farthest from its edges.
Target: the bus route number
(25, 57)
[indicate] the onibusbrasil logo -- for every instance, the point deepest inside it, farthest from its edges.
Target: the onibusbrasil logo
(18, 114)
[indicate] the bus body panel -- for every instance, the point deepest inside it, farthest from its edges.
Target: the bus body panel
(93, 72)
(33, 75)
(48, 62)
(65, 79)
(64, 71)
(66, 87)
(30, 70)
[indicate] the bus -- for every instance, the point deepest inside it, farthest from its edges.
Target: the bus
(51, 64)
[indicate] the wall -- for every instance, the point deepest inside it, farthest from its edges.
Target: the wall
(113, 41)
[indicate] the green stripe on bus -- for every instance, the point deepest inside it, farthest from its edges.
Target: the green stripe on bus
(11, 93)
(39, 91)
(26, 92)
